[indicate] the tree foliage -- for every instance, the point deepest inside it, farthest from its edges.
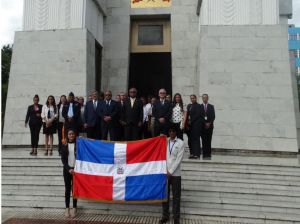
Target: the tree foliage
(6, 53)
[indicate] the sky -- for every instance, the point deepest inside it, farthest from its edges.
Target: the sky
(12, 11)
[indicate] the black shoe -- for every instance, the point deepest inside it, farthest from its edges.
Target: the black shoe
(163, 220)
(206, 157)
(191, 157)
(176, 221)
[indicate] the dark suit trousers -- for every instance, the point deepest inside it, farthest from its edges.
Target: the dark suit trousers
(94, 132)
(179, 132)
(59, 131)
(145, 132)
(160, 128)
(68, 178)
(35, 134)
(195, 132)
(131, 132)
(108, 128)
(206, 136)
(176, 191)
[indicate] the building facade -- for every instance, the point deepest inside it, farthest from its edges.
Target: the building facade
(234, 50)
(294, 47)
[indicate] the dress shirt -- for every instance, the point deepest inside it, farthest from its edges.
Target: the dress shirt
(45, 112)
(132, 101)
(147, 112)
(70, 112)
(71, 156)
(61, 118)
(177, 114)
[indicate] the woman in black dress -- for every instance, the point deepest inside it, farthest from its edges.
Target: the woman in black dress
(35, 123)
(49, 116)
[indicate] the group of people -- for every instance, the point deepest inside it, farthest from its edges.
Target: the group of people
(126, 118)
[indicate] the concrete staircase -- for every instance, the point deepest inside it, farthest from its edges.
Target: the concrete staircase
(235, 188)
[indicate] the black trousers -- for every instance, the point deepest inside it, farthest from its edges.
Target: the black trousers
(93, 132)
(68, 178)
(59, 131)
(195, 132)
(145, 131)
(35, 135)
(131, 132)
(188, 134)
(175, 182)
(160, 128)
(206, 137)
(179, 132)
(108, 128)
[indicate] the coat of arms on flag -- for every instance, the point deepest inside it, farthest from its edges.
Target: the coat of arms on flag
(121, 172)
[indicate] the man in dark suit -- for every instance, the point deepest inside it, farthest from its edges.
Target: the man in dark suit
(208, 113)
(162, 112)
(196, 123)
(91, 117)
(71, 113)
(132, 116)
(108, 112)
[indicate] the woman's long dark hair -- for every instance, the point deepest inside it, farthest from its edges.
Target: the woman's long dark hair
(58, 105)
(180, 103)
(54, 104)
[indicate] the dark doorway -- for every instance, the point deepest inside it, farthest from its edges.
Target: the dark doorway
(98, 65)
(149, 72)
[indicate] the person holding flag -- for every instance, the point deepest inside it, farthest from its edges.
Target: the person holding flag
(175, 151)
(68, 158)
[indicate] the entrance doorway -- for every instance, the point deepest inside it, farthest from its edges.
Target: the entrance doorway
(150, 72)
(150, 60)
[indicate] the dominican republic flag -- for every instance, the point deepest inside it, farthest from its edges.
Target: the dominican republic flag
(121, 172)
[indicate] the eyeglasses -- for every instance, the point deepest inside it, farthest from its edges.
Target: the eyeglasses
(162, 93)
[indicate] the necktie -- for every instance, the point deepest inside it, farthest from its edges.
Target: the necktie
(205, 107)
(49, 115)
(162, 102)
(107, 105)
(95, 105)
(70, 112)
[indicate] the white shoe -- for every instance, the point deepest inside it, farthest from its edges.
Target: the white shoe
(67, 213)
(73, 212)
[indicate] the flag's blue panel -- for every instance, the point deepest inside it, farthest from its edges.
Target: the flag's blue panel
(95, 151)
(146, 187)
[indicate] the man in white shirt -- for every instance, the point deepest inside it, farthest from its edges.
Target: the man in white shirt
(175, 151)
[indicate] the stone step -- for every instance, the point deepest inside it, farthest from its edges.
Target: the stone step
(59, 191)
(55, 166)
(243, 169)
(224, 174)
(187, 209)
(58, 180)
(219, 188)
(52, 171)
(53, 176)
(184, 199)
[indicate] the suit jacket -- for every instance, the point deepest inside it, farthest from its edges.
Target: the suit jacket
(111, 110)
(31, 115)
(175, 156)
(162, 111)
(132, 115)
(210, 113)
(65, 155)
(76, 115)
(196, 114)
(91, 115)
